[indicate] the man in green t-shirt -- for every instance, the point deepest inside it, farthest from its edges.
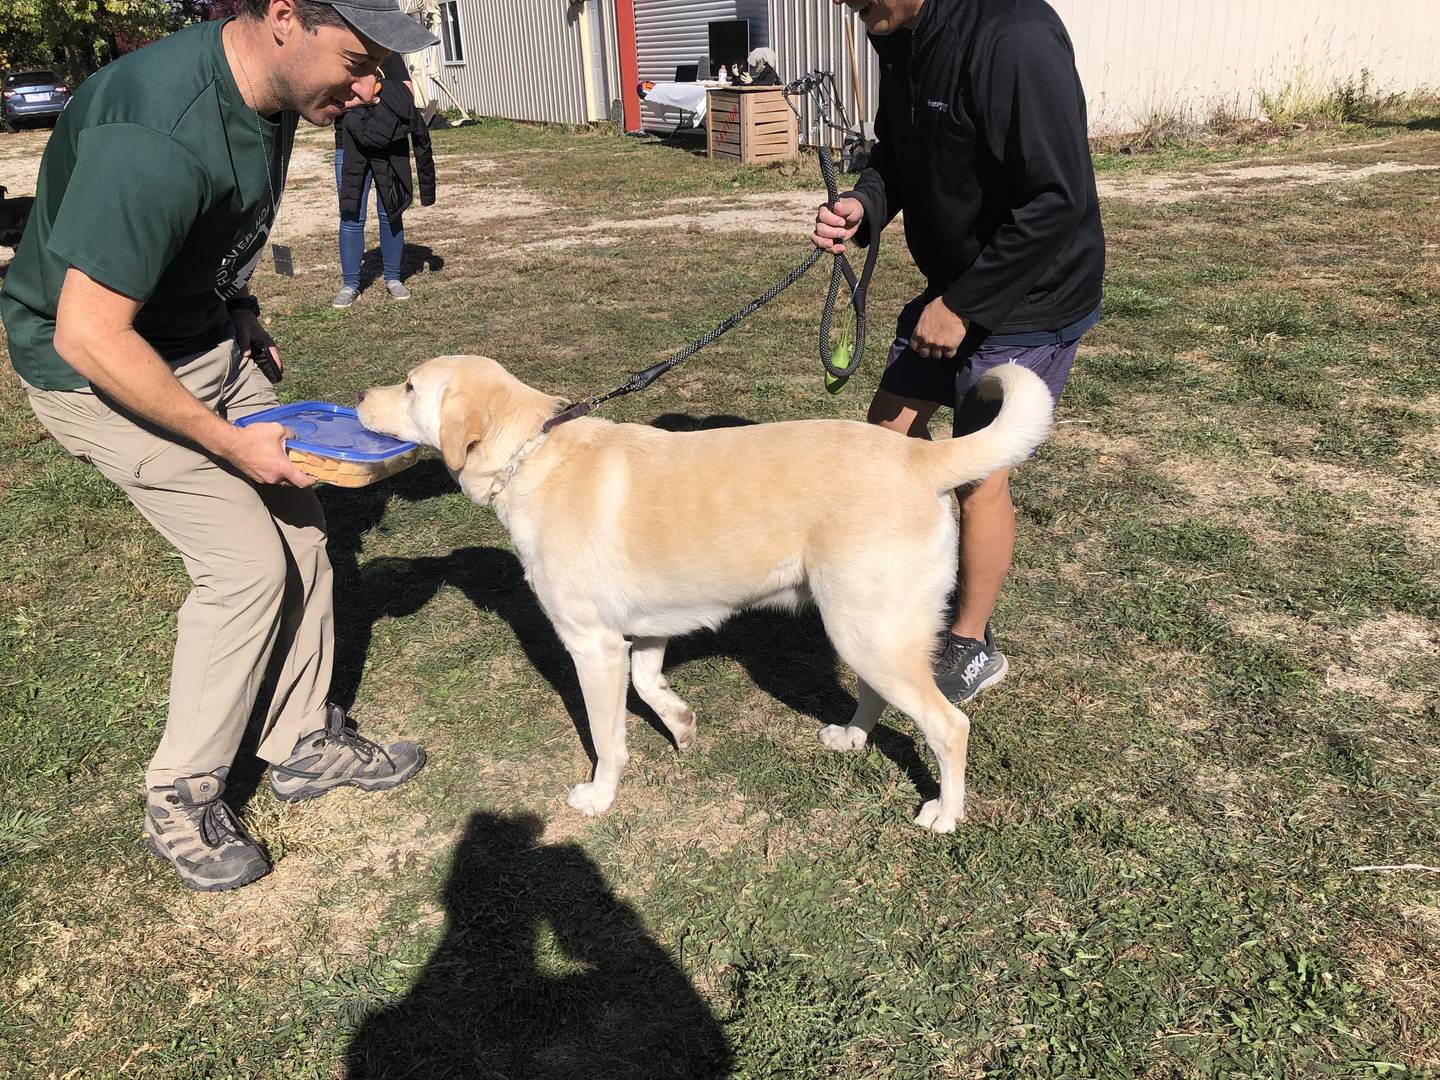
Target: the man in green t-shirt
(130, 322)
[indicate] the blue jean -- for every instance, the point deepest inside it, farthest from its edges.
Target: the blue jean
(352, 234)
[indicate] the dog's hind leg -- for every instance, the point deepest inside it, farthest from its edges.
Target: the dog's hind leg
(904, 679)
(853, 736)
(647, 658)
(601, 661)
(883, 619)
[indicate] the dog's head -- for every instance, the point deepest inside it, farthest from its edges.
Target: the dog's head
(468, 407)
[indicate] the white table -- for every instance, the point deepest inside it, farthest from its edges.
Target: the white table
(686, 97)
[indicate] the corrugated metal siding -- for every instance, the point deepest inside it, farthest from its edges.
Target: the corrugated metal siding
(1137, 57)
(808, 36)
(612, 59)
(523, 61)
(669, 33)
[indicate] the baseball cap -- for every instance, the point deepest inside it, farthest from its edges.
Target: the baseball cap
(384, 23)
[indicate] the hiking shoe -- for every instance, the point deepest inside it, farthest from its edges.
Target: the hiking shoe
(398, 291)
(966, 666)
(188, 826)
(335, 755)
(345, 297)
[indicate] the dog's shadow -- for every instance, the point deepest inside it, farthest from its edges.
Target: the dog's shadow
(541, 972)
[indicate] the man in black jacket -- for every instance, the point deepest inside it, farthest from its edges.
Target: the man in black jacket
(981, 140)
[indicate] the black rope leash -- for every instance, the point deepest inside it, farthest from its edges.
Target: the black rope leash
(842, 271)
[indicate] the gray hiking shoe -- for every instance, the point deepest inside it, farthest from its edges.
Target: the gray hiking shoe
(345, 297)
(189, 827)
(398, 291)
(335, 755)
(966, 666)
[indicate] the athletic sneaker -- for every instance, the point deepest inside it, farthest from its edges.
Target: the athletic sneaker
(345, 297)
(188, 826)
(966, 666)
(335, 755)
(398, 291)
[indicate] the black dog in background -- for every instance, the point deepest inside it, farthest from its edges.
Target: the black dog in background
(14, 213)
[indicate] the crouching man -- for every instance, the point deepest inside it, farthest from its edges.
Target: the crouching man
(130, 322)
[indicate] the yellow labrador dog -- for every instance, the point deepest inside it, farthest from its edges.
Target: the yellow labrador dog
(631, 535)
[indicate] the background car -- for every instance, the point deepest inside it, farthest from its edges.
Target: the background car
(33, 96)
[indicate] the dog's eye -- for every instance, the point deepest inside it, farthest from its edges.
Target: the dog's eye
(408, 388)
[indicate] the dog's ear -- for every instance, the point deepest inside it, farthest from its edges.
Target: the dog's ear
(461, 426)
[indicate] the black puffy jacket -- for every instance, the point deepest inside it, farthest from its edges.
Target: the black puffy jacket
(378, 138)
(981, 140)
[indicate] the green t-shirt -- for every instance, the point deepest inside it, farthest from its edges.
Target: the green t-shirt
(153, 184)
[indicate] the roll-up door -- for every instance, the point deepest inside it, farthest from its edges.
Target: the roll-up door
(669, 33)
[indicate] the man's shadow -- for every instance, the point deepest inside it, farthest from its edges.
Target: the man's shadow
(413, 259)
(542, 973)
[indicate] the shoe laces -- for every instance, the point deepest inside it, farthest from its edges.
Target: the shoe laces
(217, 824)
(354, 742)
(955, 648)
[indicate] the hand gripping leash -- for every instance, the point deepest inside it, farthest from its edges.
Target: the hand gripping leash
(839, 363)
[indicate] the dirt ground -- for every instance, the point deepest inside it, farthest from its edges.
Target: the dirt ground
(310, 198)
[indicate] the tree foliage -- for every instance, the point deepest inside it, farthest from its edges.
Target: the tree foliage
(81, 35)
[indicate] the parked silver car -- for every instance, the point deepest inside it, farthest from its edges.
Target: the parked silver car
(32, 97)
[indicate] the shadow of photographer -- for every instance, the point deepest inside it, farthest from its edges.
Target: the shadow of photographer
(542, 973)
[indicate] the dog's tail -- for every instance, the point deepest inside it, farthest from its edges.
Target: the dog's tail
(1020, 426)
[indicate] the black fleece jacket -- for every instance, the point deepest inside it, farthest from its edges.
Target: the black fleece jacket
(981, 140)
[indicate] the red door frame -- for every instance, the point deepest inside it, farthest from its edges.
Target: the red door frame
(629, 63)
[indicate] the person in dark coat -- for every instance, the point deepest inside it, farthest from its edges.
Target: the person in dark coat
(372, 146)
(981, 140)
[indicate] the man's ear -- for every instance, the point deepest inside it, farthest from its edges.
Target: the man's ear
(461, 427)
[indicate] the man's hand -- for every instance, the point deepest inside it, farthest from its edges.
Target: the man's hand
(939, 332)
(259, 452)
(248, 332)
(834, 227)
(95, 335)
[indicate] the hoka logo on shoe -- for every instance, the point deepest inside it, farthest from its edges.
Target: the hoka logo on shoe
(973, 669)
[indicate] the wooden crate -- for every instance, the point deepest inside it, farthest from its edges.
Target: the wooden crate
(749, 124)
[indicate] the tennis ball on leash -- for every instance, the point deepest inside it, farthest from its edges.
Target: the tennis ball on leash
(840, 357)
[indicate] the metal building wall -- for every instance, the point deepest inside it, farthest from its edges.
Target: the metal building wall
(1140, 56)
(523, 60)
(808, 35)
(669, 33)
(611, 48)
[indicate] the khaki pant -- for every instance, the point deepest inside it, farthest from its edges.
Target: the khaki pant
(262, 601)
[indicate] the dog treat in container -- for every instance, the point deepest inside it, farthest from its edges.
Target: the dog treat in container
(330, 444)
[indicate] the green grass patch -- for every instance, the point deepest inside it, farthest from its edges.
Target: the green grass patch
(1222, 625)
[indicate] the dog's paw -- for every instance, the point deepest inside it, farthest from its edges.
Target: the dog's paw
(932, 817)
(590, 799)
(842, 738)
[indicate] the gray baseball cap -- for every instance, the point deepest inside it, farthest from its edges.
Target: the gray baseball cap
(384, 23)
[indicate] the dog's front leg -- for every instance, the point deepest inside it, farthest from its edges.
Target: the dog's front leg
(602, 660)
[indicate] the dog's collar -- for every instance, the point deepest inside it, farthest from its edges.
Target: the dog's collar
(504, 476)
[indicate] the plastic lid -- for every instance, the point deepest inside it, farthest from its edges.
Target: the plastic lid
(329, 430)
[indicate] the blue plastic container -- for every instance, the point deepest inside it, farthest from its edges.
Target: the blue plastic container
(330, 443)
